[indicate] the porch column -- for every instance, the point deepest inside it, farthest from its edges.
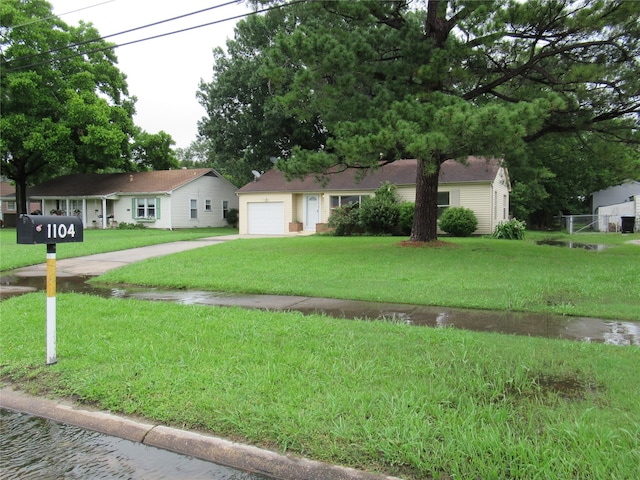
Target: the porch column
(104, 212)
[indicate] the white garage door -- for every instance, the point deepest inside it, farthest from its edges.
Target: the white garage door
(266, 218)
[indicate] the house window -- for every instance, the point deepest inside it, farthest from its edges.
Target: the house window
(207, 205)
(76, 207)
(504, 207)
(11, 206)
(444, 202)
(343, 200)
(225, 208)
(145, 208)
(193, 209)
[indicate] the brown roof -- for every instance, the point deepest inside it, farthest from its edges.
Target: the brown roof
(400, 172)
(101, 184)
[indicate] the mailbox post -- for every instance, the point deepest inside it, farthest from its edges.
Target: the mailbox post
(49, 230)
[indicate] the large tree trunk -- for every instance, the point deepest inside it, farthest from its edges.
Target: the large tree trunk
(21, 197)
(425, 217)
(20, 178)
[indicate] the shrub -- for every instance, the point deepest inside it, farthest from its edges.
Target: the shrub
(232, 217)
(131, 226)
(510, 230)
(345, 220)
(458, 221)
(380, 213)
(405, 221)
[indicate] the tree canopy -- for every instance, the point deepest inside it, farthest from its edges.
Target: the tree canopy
(65, 104)
(246, 127)
(384, 80)
(153, 151)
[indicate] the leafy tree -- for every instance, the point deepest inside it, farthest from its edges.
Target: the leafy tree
(65, 105)
(152, 151)
(558, 172)
(392, 79)
(195, 155)
(246, 127)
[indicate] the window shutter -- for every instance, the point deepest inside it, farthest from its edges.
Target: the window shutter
(133, 208)
(157, 209)
(454, 198)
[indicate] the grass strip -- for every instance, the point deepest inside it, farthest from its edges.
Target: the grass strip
(95, 241)
(476, 272)
(417, 402)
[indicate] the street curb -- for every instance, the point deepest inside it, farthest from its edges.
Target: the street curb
(206, 447)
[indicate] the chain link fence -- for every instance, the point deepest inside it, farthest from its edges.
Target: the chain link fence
(599, 223)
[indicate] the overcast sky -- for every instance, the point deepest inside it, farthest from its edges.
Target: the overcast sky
(163, 73)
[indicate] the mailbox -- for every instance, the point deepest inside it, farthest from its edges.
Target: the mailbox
(49, 229)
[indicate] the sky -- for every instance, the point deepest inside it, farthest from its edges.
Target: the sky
(163, 73)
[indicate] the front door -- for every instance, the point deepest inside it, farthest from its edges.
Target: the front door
(311, 211)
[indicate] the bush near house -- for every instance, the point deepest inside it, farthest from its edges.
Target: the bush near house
(380, 214)
(345, 220)
(232, 217)
(377, 215)
(458, 221)
(511, 230)
(405, 222)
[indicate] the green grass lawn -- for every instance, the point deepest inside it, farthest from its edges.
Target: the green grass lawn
(416, 402)
(467, 272)
(95, 241)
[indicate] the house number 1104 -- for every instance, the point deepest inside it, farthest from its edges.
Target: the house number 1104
(60, 231)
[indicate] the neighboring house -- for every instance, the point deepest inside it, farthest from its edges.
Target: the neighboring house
(613, 203)
(270, 203)
(8, 205)
(164, 199)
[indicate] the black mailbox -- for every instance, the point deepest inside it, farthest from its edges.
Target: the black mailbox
(49, 229)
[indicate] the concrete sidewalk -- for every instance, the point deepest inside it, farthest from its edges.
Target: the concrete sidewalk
(100, 263)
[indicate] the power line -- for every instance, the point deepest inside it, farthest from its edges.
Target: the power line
(61, 15)
(79, 44)
(113, 47)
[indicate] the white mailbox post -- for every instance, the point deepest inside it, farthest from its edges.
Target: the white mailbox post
(49, 230)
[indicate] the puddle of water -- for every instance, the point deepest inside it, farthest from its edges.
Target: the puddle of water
(514, 323)
(560, 243)
(36, 448)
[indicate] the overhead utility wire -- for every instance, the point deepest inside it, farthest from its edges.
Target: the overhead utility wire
(112, 47)
(61, 15)
(79, 44)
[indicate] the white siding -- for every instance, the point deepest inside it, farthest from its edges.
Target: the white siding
(478, 198)
(204, 188)
(500, 210)
(617, 194)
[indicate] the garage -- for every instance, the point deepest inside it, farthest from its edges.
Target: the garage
(265, 218)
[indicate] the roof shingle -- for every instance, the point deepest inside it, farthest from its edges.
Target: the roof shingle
(400, 172)
(101, 184)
